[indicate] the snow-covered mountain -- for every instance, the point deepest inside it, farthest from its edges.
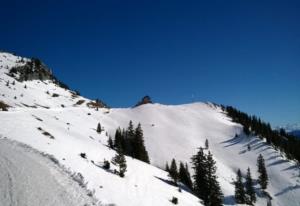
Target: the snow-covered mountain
(36, 108)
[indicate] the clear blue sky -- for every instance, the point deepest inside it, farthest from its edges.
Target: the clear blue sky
(243, 53)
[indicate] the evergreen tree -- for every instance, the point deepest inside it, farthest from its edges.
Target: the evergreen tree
(206, 144)
(240, 196)
(167, 169)
(184, 176)
(129, 140)
(250, 192)
(99, 128)
(120, 161)
(139, 150)
(199, 162)
(173, 172)
(214, 189)
(110, 142)
(119, 140)
(263, 176)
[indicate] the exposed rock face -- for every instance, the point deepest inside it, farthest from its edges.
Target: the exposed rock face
(144, 100)
(97, 104)
(32, 70)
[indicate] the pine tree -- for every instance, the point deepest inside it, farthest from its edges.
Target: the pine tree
(110, 142)
(184, 176)
(119, 140)
(173, 172)
(214, 189)
(120, 161)
(199, 162)
(139, 150)
(206, 144)
(250, 192)
(167, 169)
(129, 135)
(263, 176)
(240, 196)
(99, 128)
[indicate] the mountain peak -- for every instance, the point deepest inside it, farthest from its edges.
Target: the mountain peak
(145, 100)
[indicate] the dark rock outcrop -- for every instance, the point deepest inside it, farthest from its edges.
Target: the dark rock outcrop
(144, 100)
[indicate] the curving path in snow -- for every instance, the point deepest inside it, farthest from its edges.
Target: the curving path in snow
(28, 178)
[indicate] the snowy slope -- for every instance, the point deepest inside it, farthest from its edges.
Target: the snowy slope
(170, 132)
(32, 94)
(40, 179)
(72, 130)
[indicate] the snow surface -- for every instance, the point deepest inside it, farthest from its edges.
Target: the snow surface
(28, 178)
(170, 132)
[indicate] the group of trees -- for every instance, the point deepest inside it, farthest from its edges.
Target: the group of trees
(206, 185)
(130, 142)
(244, 192)
(120, 161)
(182, 175)
(287, 143)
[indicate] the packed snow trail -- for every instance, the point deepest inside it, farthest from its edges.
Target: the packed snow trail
(29, 179)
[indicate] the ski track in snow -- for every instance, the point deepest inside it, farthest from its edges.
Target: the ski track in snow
(29, 179)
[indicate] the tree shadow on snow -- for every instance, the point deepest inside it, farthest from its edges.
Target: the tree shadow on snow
(274, 157)
(277, 162)
(232, 141)
(292, 167)
(287, 189)
(179, 185)
(229, 200)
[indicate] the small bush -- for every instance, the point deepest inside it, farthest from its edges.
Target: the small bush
(80, 102)
(3, 106)
(48, 134)
(106, 164)
(83, 155)
(174, 200)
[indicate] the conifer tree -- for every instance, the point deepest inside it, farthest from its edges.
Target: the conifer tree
(206, 144)
(120, 161)
(184, 176)
(129, 140)
(199, 162)
(119, 139)
(110, 142)
(167, 169)
(173, 172)
(214, 189)
(250, 192)
(263, 176)
(240, 196)
(99, 128)
(139, 150)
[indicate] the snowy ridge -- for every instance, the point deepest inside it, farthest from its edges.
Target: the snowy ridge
(169, 131)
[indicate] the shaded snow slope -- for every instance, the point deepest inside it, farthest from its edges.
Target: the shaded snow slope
(169, 132)
(28, 178)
